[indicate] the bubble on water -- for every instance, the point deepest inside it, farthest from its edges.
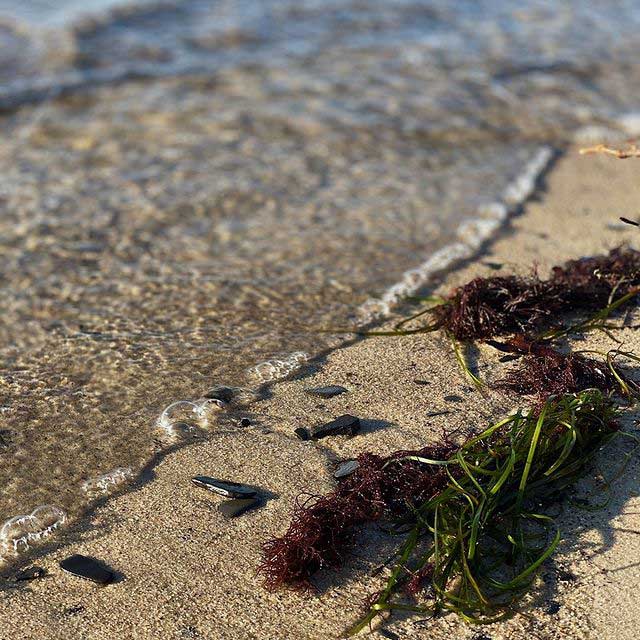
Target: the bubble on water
(187, 416)
(18, 532)
(107, 481)
(274, 369)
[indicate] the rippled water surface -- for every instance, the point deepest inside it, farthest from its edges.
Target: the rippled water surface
(187, 188)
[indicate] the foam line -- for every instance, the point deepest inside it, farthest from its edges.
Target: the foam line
(471, 234)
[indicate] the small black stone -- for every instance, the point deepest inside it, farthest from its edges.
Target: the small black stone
(326, 392)
(345, 424)
(552, 608)
(245, 422)
(496, 266)
(454, 398)
(30, 573)
(224, 488)
(388, 634)
(567, 576)
(224, 394)
(345, 469)
(235, 508)
(87, 568)
(499, 346)
(302, 433)
(72, 611)
(510, 358)
(6, 436)
(422, 383)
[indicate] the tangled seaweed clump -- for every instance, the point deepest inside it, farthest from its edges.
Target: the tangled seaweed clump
(589, 282)
(486, 537)
(473, 505)
(543, 371)
(321, 529)
(489, 307)
(478, 530)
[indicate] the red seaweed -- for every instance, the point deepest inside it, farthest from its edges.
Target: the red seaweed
(543, 371)
(321, 528)
(488, 307)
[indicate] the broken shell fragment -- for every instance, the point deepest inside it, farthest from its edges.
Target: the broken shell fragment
(224, 488)
(345, 469)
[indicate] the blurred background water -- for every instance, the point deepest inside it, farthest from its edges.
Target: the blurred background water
(188, 188)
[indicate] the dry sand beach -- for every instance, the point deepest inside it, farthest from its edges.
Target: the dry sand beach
(188, 573)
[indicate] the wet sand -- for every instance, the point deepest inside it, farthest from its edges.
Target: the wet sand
(188, 573)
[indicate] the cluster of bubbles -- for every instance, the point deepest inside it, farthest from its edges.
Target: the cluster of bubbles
(107, 481)
(18, 533)
(274, 369)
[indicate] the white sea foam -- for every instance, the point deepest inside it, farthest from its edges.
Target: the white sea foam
(471, 234)
(413, 280)
(19, 532)
(274, 369)
(494, 210)
(630, 122)
(594, 134)
(524, 185)
(107, 481)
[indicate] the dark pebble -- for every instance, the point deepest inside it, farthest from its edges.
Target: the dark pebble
(496, 266)
(6, 436)
(326, 392)
(224, 394)
(224, 488)
(567, 576)
(345, 424)
(30, 573)
(509, 358)
(385, 633)
(499, 346)
(422, 383)
(345, 469)
(245, 422)
(454, 398)
(302, 433)
(552, 608)
(235, 508)
(72, 611)
(481, 635)
(87, 568)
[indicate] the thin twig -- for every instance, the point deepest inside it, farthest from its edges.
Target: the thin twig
(632, 152)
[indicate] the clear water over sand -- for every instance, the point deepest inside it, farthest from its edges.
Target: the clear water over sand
(188, 189)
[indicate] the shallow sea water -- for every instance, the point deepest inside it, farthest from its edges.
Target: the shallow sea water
(189, 189)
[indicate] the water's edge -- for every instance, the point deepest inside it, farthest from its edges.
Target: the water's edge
(475, 236)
